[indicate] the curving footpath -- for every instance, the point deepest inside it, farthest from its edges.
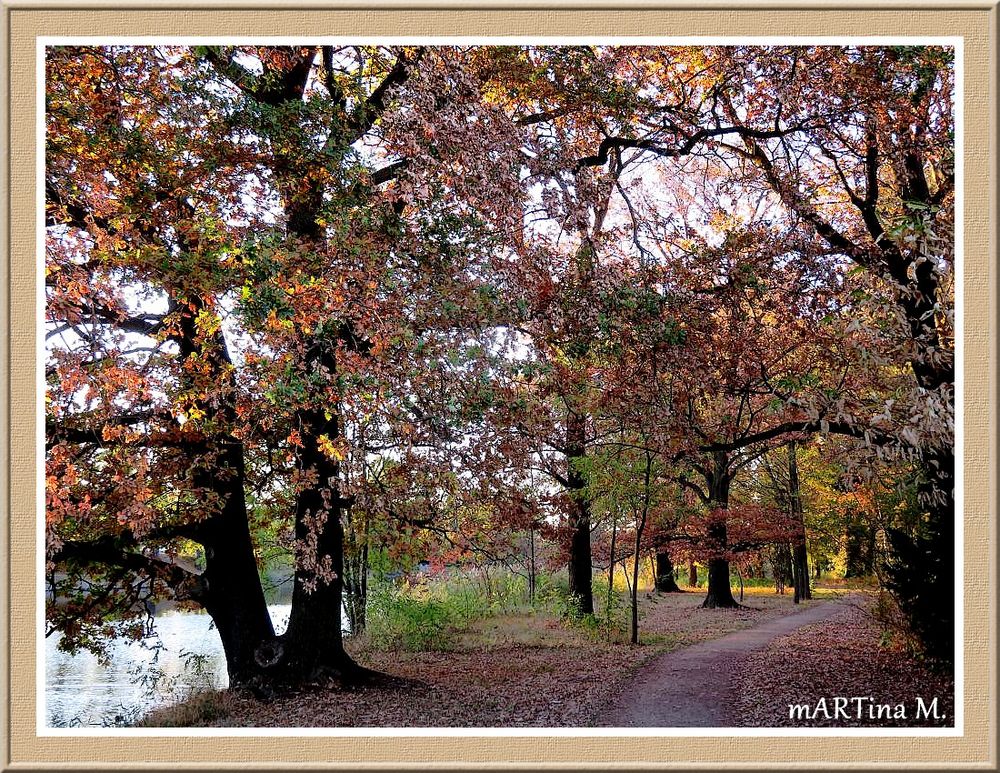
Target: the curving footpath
(691, 687)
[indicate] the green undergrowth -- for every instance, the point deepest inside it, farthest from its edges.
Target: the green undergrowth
(433, 614)
(465, 612)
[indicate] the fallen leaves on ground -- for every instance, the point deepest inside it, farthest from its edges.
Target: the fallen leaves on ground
(540, 674)
(841, 657)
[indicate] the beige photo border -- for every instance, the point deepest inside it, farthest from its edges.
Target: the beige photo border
(975, 22)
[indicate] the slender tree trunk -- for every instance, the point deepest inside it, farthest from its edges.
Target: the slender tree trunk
(531, 568)
(639, 528)
(363, 601)
(692, 574)
(356, 571)
(611, 574)
(635, 590)
(783, 574)
(800, 561)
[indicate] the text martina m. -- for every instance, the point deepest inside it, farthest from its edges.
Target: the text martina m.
(864, 708)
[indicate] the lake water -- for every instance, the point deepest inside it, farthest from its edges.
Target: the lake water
(185, 657)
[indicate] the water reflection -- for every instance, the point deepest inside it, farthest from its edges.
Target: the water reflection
(186, 656)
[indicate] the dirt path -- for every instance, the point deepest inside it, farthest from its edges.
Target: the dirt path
(692, 687)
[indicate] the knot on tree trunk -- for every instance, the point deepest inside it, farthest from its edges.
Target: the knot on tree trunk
(269, 653)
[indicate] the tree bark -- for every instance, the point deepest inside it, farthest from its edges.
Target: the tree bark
(800, 561)
(720, 592)
(636, 556)
(312, 648)
(665, 582)
(692, 574)
(782, 567)
(356, 566)
(580, 561)
(234, 595)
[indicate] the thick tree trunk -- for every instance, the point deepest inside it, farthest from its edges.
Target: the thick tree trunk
(922, 567)
(665, 582)
(580, 561)
(720, 592)
(800, 573)
(234, 597)
(312, 647)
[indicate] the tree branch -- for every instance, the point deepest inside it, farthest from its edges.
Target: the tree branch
(622, 143)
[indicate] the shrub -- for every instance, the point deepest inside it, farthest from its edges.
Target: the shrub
(419, 617)
(608, 623)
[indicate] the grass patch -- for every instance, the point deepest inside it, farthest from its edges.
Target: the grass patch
(518, 629)
(202, 709)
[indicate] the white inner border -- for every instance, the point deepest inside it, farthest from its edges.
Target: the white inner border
(956, 42)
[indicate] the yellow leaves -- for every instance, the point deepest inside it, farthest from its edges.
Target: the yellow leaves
(329, 449)
(194, 413)
(207, 322)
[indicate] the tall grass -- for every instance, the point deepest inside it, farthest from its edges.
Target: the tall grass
(430, 614)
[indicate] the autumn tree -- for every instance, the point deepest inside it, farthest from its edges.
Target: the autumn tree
(856, 147)
(222, 205)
